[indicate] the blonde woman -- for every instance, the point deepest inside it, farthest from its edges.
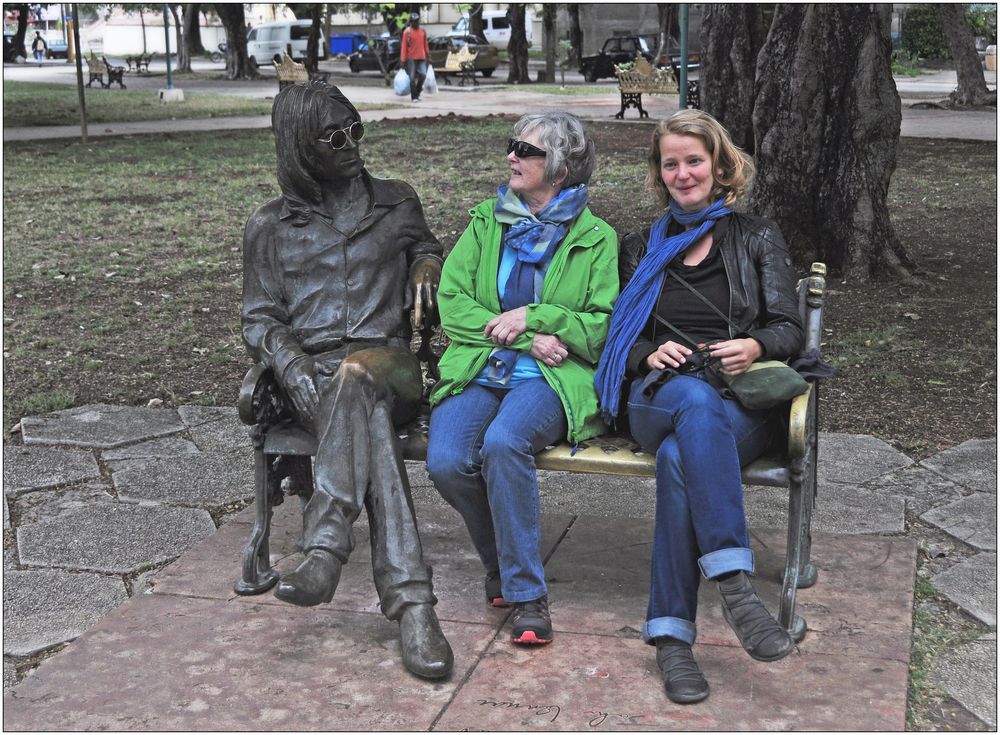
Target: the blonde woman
(738, 306)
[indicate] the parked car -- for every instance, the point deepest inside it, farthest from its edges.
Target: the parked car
(496, 27)
(616, 50)
(56, 48)
(672, 56)
(487, 55)
(367, 57)
(268, 42)
(8, 48)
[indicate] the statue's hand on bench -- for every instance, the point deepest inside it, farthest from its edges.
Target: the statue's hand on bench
(301, 390)
(424, 282)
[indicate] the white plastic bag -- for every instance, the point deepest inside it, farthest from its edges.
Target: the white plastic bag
(430, 83)
(401, 82)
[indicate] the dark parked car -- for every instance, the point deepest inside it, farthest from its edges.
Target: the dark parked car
(56, 48)
(672, 56)
(487, 56)
(368, 56)
(616, 50)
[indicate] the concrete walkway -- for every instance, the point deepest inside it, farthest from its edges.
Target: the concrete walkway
(100, 500)
(492, 97)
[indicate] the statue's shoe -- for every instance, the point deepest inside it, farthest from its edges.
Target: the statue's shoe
(426, 652)
(314, 581)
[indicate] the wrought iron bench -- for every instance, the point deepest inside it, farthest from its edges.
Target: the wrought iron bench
(140, 62)
(96, 69)
(641, 77)
(282, 449)
(461, 63)
(290, 71)
(115, 73)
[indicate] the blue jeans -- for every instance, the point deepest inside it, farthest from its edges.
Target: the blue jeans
(700, 440)
(481, 457)
(417, 72)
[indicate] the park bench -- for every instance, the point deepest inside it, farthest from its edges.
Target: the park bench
(96, 69)
(115, 73)
(289, 71)
(461, 63)
(140, 62)
(641, 77)
(282, 449)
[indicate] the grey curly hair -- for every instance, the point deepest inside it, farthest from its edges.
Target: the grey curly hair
(570, 148)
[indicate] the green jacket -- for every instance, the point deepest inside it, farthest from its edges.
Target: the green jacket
(580, 286)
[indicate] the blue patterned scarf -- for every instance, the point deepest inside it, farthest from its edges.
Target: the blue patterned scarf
(535, 238)
(638, 299)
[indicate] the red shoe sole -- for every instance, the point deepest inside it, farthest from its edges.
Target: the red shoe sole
(529, 638)
(498, 602)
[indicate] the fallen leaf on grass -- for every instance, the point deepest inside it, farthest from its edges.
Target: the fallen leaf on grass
(911, 315)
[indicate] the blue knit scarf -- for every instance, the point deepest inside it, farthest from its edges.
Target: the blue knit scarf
(638, 299)
(535, 238)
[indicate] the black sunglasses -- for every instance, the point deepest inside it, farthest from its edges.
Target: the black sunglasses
(338, 138)
(523, 150)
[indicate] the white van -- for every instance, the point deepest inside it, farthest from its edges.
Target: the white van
(268, 41)
(496, 27)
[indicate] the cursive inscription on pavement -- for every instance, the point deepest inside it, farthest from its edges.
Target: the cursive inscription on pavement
(542, 710)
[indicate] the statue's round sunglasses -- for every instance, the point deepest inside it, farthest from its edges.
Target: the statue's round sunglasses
(338, 138)
(523, 150)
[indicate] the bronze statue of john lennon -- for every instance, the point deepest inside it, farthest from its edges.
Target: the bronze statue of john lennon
(331, 270)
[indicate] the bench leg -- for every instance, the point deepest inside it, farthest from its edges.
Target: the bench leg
(799, 572)
(258, 576)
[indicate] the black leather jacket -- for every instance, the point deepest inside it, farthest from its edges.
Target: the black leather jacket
(762, 301)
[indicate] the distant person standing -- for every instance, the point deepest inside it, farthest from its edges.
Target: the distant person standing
(413, 52)
(38, 47)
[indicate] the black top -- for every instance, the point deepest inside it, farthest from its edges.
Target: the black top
(683, 309)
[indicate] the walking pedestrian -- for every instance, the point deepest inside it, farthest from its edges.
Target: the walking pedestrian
(413, 54)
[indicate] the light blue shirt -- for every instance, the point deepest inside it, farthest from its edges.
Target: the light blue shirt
(526, 367)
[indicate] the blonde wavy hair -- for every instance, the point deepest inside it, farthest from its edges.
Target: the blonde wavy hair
(733, 169)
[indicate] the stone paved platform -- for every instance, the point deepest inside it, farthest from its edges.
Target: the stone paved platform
(99, 499)
(225, 662)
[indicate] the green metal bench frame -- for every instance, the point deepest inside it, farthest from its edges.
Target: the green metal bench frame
(282, 450)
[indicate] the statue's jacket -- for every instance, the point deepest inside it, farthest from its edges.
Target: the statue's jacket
(578, 291)
(312, 289)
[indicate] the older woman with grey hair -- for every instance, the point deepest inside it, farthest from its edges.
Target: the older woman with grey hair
(525, 298)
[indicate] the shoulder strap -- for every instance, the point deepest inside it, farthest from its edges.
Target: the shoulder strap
(709, 304)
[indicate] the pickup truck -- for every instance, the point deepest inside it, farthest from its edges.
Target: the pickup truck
(622, 49)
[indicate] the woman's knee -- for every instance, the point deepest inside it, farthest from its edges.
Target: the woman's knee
(447, 465)
(669, 466)
(501, 444)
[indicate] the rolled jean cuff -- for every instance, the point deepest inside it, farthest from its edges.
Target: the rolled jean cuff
(724, 561)
(682, 630)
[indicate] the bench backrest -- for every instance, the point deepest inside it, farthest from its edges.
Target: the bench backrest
(643, 77)
(290, 71)
(454, 61)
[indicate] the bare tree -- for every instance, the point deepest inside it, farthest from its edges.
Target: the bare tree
(667, 21)
(826, 124)
(183, 50)
(731, 37)
(192, 28)
(313, 12)
(575, 32)
(549, 39)
(972, 88)
(238, 64)
(517, 46)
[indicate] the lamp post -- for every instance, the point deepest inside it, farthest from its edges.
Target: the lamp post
(169, 94)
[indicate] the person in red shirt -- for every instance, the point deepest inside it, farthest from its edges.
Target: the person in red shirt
(413, 53)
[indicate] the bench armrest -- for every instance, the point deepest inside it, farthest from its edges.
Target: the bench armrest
(261, 399)
(798, 423)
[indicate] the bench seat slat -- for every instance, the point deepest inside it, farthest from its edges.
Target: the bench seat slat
(607, 455)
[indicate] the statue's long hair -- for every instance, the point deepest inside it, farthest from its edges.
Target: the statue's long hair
(295, 120)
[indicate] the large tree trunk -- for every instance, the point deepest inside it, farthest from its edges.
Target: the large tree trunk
(237, 62)
(971, 80)
(517, 47)
(826, 125)
(192, 29)
(22, 30)
(666, 21)
(142, 22)
(549, 39)
(731, 37)
(575, 34)
(476, 21)
(310, 11)
(183, 48)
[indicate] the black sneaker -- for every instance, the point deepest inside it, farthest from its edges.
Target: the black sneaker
(682, 678)
(494, 594)
(531, 622)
